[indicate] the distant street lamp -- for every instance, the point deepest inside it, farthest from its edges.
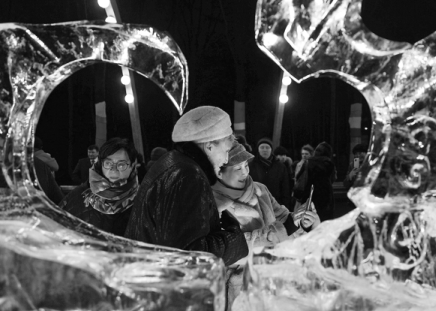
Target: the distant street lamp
(280, 108)
(283, 99)
(129, 98)
(104, 3)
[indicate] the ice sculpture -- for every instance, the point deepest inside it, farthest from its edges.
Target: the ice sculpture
(50, 260)
(381, 255)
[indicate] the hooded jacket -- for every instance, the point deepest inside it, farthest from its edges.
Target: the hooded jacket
(175, 207)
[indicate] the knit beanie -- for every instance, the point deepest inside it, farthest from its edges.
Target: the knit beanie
(264, 140)
(202, 124)
(157, 152)
(238, 154)
(280, 151)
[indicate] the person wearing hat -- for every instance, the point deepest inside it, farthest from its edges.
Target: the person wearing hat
(268, 170)
(263, 220)
(175, 206)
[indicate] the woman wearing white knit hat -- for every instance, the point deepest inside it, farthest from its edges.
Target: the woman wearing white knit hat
(175, 205)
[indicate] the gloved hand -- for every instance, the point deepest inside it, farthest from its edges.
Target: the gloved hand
(229, 223)
(309, 221)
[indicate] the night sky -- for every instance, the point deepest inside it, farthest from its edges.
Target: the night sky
(217, 38)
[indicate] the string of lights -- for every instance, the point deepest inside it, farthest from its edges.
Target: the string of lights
(125, 79)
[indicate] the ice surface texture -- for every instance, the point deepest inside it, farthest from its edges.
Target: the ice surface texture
(50, 260)
(381, 255)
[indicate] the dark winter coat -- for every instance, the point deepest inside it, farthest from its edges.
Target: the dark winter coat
(274, 177)
(81, 171)
(175, 207)
(321, 174)
(74, 203)
(47, 181)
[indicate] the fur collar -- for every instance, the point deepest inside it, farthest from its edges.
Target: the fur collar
(191, 150)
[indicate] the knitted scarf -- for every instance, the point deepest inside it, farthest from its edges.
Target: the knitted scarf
(266, 162)
(241, 195)
(110, 198)
(245, 200)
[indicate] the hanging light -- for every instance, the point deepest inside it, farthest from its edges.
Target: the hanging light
(129, 98)
(104, 3)
(283, 98)
(269, 39)
(286, 80)
(125, 80)
(110, 19)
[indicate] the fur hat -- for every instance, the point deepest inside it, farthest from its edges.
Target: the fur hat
(202, 124)
(238, 154)
(157, 152)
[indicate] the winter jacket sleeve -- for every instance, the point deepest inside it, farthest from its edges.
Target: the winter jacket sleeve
(228, 244)
(48, 182)
(75, 176)
(348, 182)
(178, 210)
(285, 189)
(283, 216)
(51, 162)
(276, 231)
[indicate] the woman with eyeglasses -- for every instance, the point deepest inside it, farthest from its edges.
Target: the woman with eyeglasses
(105, 199)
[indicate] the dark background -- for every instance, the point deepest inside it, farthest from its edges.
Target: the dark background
(217, 38)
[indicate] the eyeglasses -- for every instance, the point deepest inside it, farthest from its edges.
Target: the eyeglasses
(121, 166)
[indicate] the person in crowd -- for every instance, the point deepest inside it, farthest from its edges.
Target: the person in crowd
(268, 170)
(105, 200)
(359, 153)
(321, 173)
(283, 156)
(243, 141)
(81, 171)
(175, 205)
(155, 155)
(47, 181)
(306, 153)
(140, 167)
(44, 156)
(263, 220)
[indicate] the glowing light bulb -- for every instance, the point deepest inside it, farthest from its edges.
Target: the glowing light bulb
(283, 99)
(110, 19)
(104, 3)
(269, 39)
(125, 80)
(286, 80)
(129, 98)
